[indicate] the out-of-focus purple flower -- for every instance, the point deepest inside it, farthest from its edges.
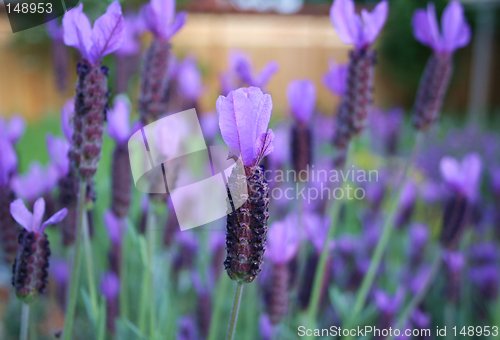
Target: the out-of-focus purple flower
(58, 149)
(463, 177)
(36, 182)
(32, 222)
(387, 304)
(265, 327)
(209, 125)
(60, 271)
(495, 180)
(419, 235)
(302, 99)
(358, 30)
(114, 226)
(243, 120)
(119, 120)
(406, 203)
(316, 229)
(67, 113)
(454, 261)
(189, 79)
(484, 272)
(160, 18)
(54, 30)
(110, 285)
(133, 27)
(8, 160)
(335, 79)
(281, 146)
(283, 240)
(385, 127)
(455, 32)
(12, 129)
(94, 43)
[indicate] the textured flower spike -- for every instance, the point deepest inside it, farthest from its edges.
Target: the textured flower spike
(455, 33)
(243, 119)
(91, 98)
(13, 129)
(8, 228)
(121, 174)
(302, 101)
(160, 18)
(282, 246)
(335, 79)
(30, 270)
(463, 179)
(360, 31)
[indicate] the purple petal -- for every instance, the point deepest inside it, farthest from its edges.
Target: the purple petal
(77, 30)
(38, 212)
(450, 170)
(114, 227)
(58, 149)
(12, 129)
(336, 78)
(374, 21)
(110, 286)
(179, 21)
(35, 183)
(265, 75)
(21, 214)
(118, 119)
(264, 145)
(54, 219)
(283, 240)
(131, 30)
(425, 27)
(471, 168)
(54, 30)
(456, 31)
(227, 123)
(302, 99)
(67, 114)
(8, 160)
(107, 34)
(189, 79)
(345, 21)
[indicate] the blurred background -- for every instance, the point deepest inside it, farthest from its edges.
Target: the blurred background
(297, 34)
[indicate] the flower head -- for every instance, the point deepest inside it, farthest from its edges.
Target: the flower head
(119, 119)
(336, 78)
(8, 160)
(455, 32)
(133, 27)
(36, 182)
(160, 18)
(283, 240)
(358, 30)
(243, 120)
(302, 99)
(462, 177)
(94, 42)
(32, 222)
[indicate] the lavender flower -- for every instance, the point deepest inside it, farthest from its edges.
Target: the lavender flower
(58, 149)
(385, 128)
(454, 263)
(243, 120)
(189, 80)
(91, 92)
(110, 288)
(115, 228)
(455, 33)
(32, 262)
(360, 31)
(121, 174)
(160, 18)
(282, 246)
(8, 228)
(37, 182)
(302, 101)
(127, 55)
(241, 73)
(335, 79)
(12, 129)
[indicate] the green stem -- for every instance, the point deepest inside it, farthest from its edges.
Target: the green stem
(234, 312)
(124, 276)
(25, 322)
(146, 288)
(76, 266)
(383, 241)
(222, 287)
(89, 265)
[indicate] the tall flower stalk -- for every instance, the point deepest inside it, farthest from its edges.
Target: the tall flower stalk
(91, 101)
(360, 31)
(243, 120)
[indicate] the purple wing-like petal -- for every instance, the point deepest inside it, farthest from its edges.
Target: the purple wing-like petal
(227, 123)
(21, 214)
(113, 226)
(264, 145)
(345, 21)
(12, 129)
(374, 21)
(283, 240)
(425, 27)
(118, 119)
(177, 24)
(336, 78)
(244, 101)
(38, 212)
(456, 31)
(58, 149)
(107, 34)
(189, 79)
(110, 285)
(450, 170)
(302, 99)
(54, 219)
(8, 160)
(77, 30)
(471, 169)
(265, 75)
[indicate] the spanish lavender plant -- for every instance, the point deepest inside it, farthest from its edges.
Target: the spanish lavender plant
(360, 31)
(455, 34)
(243, 120)
(160, 19)
(302, 101)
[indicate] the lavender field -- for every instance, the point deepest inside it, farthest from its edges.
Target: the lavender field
(363, 219)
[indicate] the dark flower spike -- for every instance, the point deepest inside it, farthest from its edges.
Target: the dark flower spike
(30, 269)
(243, 119)
(455, 33)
